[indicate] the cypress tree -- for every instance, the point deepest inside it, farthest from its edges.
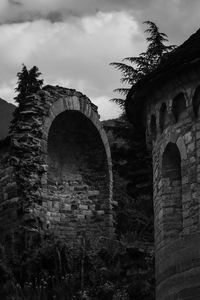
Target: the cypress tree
(25, 132)
(27, 84)
(145, 63)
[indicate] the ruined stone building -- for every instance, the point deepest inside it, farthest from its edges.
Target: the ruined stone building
(56, 171)
(167, 104)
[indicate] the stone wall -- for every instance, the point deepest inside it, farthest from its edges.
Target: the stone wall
(8, 198)
(71, 178)
(8, 192)
(175, 140)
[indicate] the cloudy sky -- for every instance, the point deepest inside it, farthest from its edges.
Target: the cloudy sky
(73, 41)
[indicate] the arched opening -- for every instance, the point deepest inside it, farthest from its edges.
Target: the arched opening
(78, 178)
(179, 107)
(196, 102)
(172, 190)
(153, 130)
(164, 117)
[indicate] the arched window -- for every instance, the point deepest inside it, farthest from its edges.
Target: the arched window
(153, 127)
(164, 117)
(172, 191)
(196, 102)
(179, 107)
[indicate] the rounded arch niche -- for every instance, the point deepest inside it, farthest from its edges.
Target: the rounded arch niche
(76, 153)
(172, 190)
(79, 173)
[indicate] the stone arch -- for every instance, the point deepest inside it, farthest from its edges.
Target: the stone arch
(196, 101)
(172, 191)
(163, 117)
(182, 148)
(79, 168)
(153, 127)
(178, 140)
(179, 109)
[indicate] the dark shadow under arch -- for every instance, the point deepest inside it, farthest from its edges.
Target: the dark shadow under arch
(196, 102)
(179, 107)
(172, 190)
(153, 130)
(77, 175)
(163, 117)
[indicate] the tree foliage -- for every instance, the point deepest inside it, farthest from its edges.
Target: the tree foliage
(110, 270)
(26, 128)
(132, 163)
(135, 68)
(27, 84)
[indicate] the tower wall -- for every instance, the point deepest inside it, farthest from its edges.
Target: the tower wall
(173, 130)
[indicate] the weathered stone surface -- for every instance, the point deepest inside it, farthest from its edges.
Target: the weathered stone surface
(176, 165)
(73, 182)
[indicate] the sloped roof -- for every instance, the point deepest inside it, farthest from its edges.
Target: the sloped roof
(185, 56)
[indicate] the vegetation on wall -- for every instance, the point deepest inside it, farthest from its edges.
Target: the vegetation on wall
(132, 163)
(133, 192)
(27, 84)
(25, 128)
(132, 180)
(131, 160)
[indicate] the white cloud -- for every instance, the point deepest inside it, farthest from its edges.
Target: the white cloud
(77, 51)
(26, 10)
(106, 109)
(7, 92)
(76, 55)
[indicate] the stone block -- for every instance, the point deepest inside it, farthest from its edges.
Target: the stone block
(88, 212)
(190, 148)
(57, 107)
(182, 148)
(83, 206)
(80, 216)
(100, 212)
(80, 188)
(198, 152)
(93, 193)
(67, 207)
(188, 137)
(192, 160)
(198, 135)
(5, 196)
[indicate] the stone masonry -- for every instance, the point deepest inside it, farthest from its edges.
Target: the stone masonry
(170, 105)
(176, 149)
(72, 180)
